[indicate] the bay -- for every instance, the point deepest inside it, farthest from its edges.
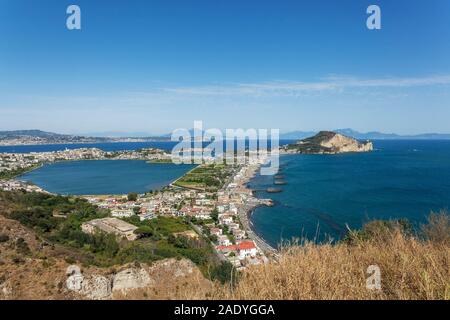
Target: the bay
(324, 193)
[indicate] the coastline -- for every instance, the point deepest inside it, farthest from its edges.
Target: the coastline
(247, 210)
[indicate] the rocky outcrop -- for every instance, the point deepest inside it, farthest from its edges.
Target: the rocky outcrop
(31, 268)
(328, 142)
(131, 279)
(95, 287)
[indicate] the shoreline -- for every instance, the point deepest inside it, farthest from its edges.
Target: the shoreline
(42, 164)
(246, 212)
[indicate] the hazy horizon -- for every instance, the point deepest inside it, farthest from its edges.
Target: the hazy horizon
(290, 65)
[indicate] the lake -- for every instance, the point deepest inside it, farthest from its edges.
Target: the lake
(104, 176)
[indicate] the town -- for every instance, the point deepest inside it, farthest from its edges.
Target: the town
(216, 216)
(14, 164)
(213, 198)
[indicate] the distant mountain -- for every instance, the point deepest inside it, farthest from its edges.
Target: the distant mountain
(373, 135)
(30, 137)
(119, 134)
(30, 133)
(33, 137)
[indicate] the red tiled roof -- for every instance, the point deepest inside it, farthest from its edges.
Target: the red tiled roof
(246, 245)
(230, 247)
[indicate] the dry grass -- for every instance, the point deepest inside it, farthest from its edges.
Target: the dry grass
(410, 269)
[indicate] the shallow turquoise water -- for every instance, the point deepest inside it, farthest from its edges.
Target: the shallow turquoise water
(325, 192)
(105, 176)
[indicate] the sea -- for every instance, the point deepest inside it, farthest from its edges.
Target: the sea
(324, 195)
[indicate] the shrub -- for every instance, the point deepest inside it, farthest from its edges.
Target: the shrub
(4, 237)
(438, 227)
(132, 196)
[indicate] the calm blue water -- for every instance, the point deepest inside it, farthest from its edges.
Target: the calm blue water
(105, 176)
(324, 192)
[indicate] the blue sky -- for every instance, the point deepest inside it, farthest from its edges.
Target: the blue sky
(154, 66)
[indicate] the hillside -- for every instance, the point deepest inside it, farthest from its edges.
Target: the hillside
(32, 268)
(412, 266)
(29, 137)
(34, 262)
(328, 142)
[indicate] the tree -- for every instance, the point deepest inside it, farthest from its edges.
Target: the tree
(145, 231)
(136, 210)
(132, 196)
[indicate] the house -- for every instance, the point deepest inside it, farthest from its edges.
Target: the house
(110, 225)
(147, 216)
(203, 215)
(246, 249)
(225, 219)
(222, 208)
(215, 231)
(238, 234)
(223, 240)
(223, 198)
(233, 226)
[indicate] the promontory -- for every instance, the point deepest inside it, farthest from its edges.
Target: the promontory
(328, 142)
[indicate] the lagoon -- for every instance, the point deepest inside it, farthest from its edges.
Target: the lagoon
(94, 177)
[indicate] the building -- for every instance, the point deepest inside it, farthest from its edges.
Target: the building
(246, 249)
(223, 240)
(225, 219)
(216, 231)
(110, 225)
(147, 216)
(238, 234)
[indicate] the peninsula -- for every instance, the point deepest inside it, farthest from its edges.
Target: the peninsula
(328, 142)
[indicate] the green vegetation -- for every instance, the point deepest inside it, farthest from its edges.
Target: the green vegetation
(167, 160)
(132, 196)
(6, 175)
(225, 272)
(209, 177)
(58, 219)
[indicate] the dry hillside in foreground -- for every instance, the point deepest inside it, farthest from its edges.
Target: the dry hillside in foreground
(410, 268)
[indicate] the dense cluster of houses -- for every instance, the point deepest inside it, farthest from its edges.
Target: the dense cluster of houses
(15, 161)
(12, 185)
(215, 214)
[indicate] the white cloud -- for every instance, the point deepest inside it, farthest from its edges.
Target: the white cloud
(293, 88)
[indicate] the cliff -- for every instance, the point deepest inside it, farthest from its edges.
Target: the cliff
(328, 142)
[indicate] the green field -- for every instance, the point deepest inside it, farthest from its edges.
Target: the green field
(209, 177)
